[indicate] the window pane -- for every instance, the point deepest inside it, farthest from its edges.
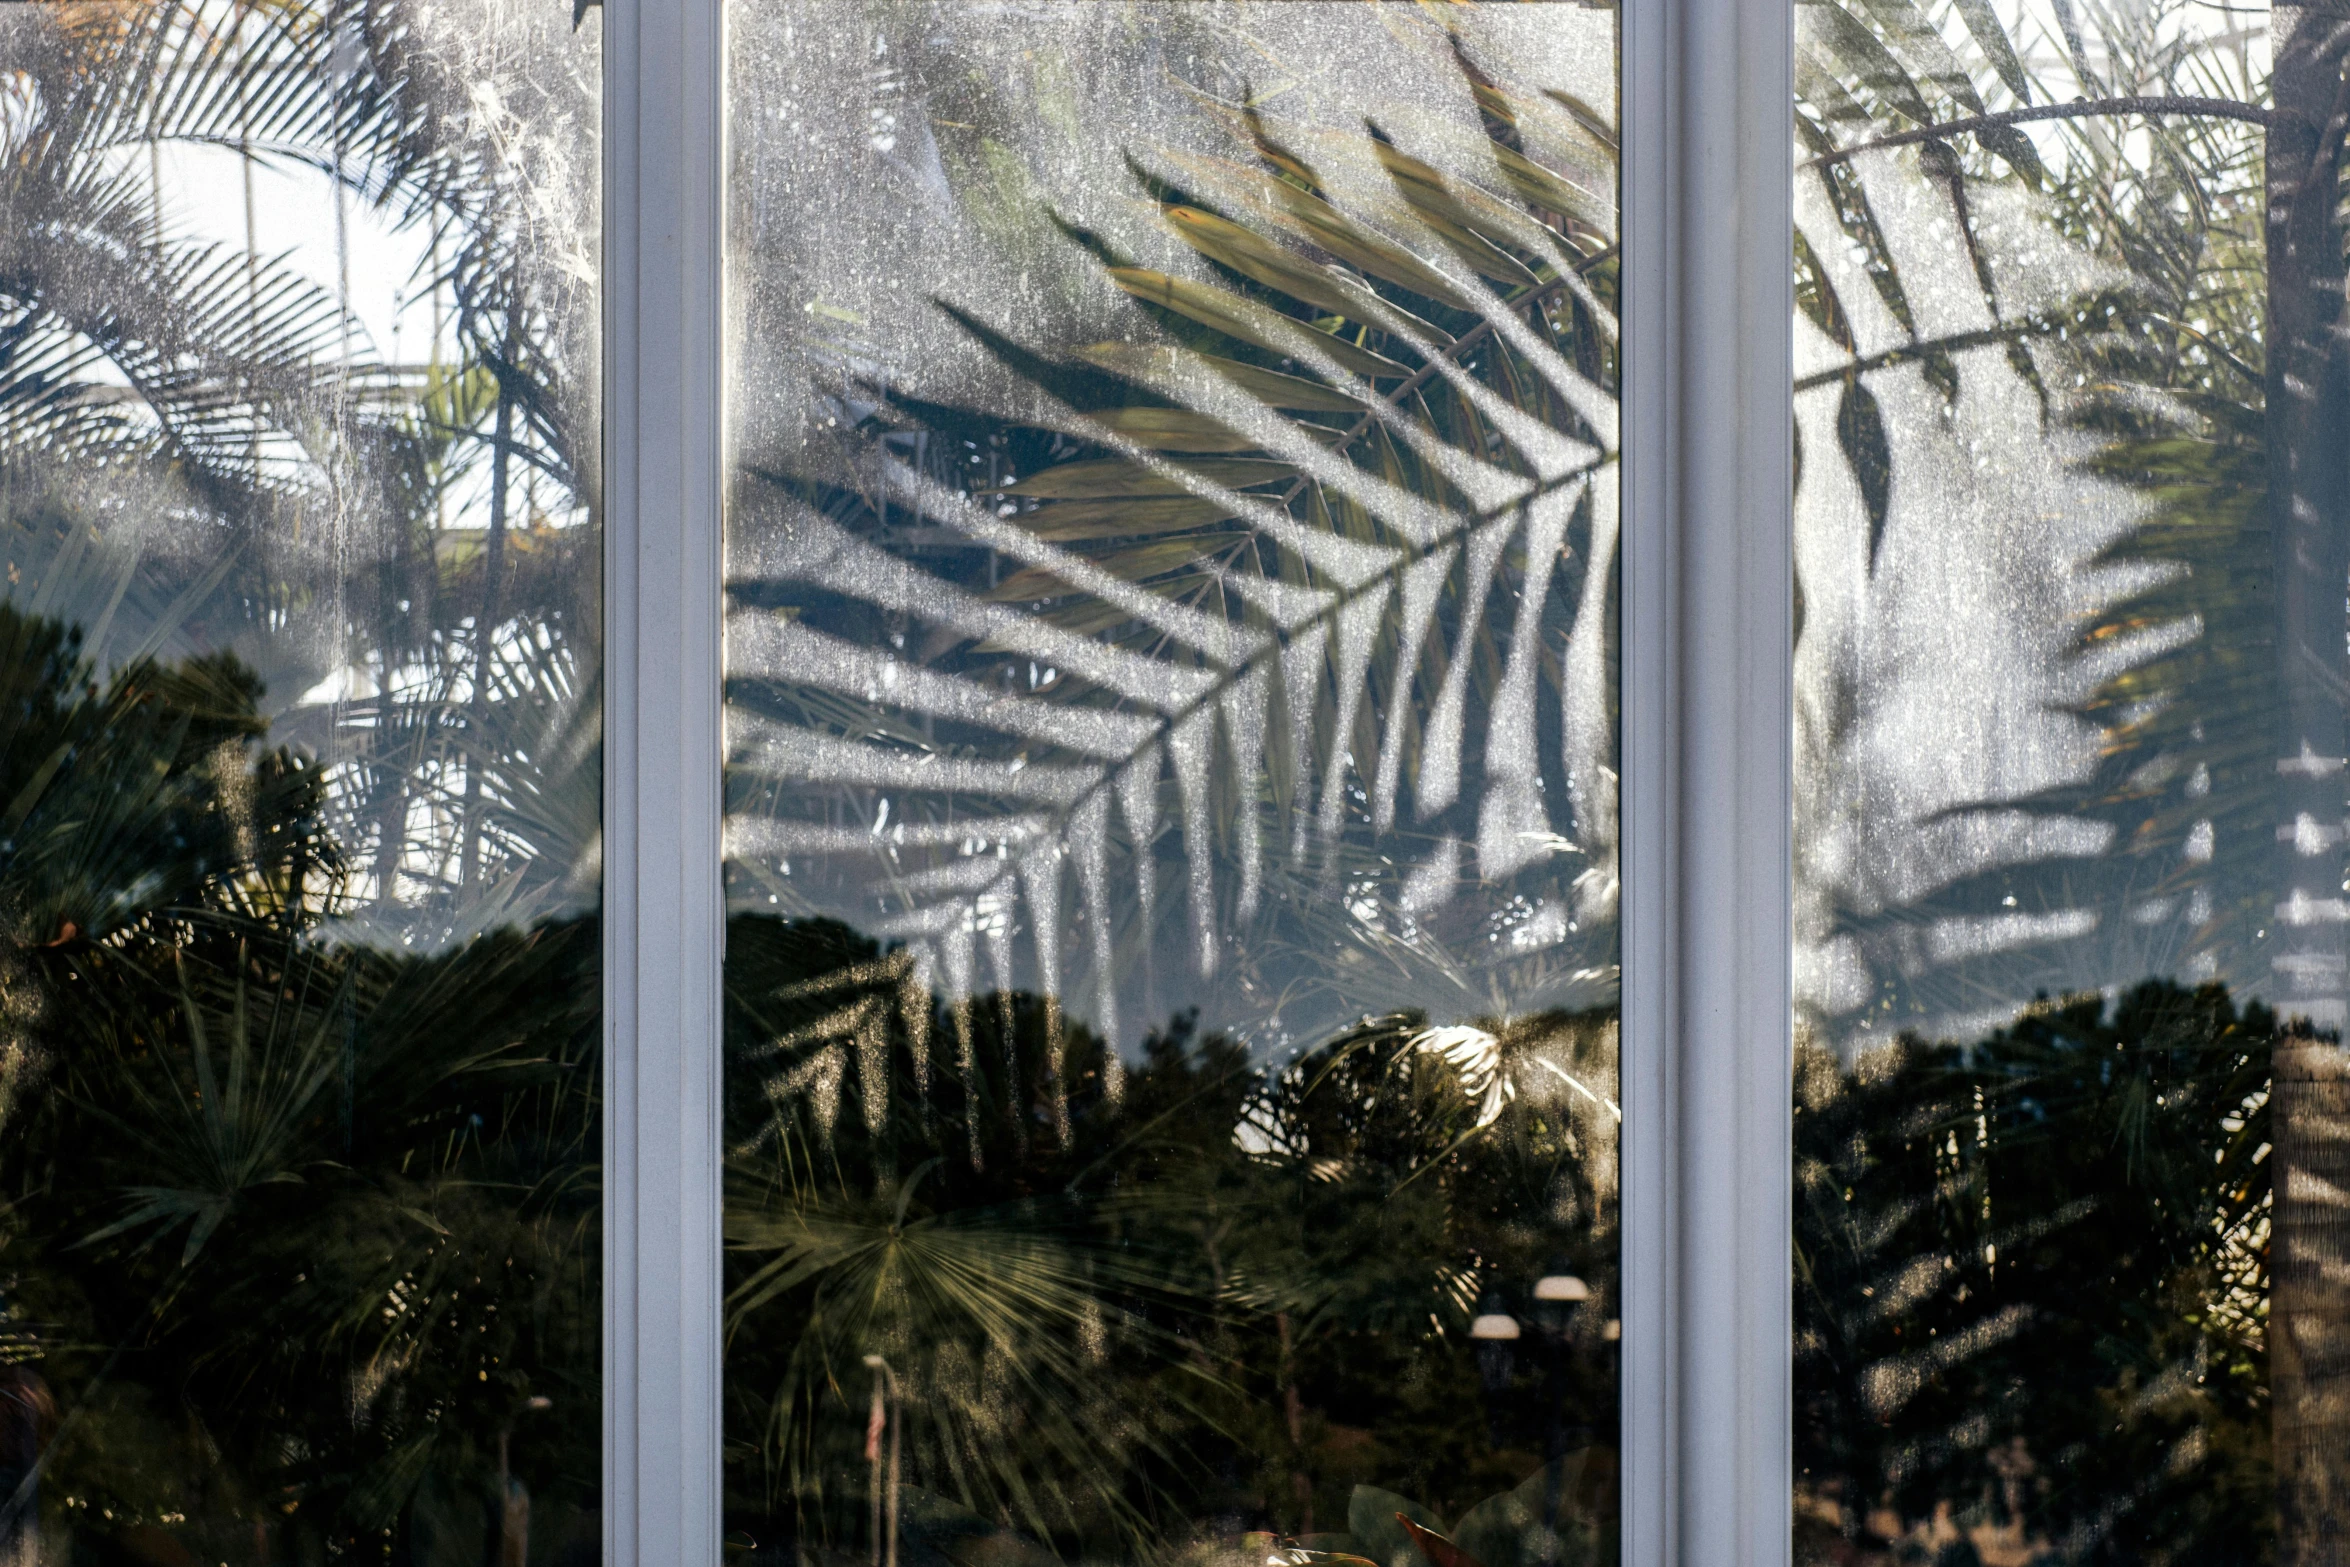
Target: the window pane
(2072, 550)
(1171, 975)
(300, 755)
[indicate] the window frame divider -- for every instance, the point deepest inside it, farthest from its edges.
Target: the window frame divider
(664, 919)
(1708, 711)
(1707, 703)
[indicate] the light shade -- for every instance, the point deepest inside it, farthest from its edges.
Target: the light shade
(1561, 1286)
(1613, 1331)
(1494, 1325)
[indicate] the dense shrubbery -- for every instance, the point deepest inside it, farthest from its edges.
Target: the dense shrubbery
(2031, 1286)
(1129, 1307)
(297, 1238)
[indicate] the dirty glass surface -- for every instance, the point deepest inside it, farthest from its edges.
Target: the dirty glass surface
(2072, 553)
(1171, 825)
(299, 799)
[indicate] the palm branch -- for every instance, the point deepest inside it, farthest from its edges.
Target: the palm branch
(1293, 599)
(255, 495)
(2050, 370)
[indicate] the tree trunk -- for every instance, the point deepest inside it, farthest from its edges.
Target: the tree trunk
(2308, 432)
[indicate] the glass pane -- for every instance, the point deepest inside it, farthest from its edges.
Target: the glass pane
(300, 758)
(1172, 968)
(2072, 553)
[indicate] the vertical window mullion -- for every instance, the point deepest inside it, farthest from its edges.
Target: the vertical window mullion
(664, 911)
(1708, 715)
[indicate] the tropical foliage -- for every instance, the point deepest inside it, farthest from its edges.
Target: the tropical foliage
(1283, 621)
(1245, 661)
(1252, 666)
(2012, 783)
(203, 450)
(2040, 686)
(299, 1095)
(2032, 1288)
(297, 1236)
(1105, 1325)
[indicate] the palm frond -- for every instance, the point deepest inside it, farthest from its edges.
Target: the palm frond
(1311, 589)
(2048, 363)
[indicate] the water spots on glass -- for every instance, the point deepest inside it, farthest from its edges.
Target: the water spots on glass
(2068, 894)
(1170, 603)
(299, 369)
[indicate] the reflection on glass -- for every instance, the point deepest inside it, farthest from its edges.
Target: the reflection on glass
(299, 759)
(2072, 552)
(1171, 826)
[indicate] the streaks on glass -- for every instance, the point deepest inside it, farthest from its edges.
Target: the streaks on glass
(1171, 799)
(301, 746)
(2069, 677)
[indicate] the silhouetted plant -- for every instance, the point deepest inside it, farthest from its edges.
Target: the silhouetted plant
(2031, 1283)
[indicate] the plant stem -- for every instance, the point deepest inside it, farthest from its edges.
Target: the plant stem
(2078, 109)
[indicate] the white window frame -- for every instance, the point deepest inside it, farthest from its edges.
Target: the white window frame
(1707, 175)
(664, 910)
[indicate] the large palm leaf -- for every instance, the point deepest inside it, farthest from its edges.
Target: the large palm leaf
(208, 419)
(2011, 779)
(1272, 627)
